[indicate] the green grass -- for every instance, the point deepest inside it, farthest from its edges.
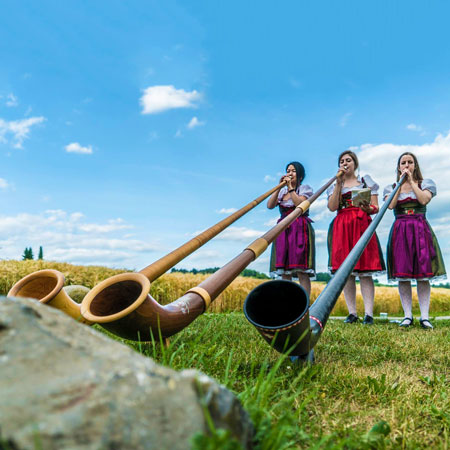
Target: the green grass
(371, 387)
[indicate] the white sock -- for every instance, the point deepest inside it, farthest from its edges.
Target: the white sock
(350, 295)
(404, 289)
(368, 292)
(423, 292)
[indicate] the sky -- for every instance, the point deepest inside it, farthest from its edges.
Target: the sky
(126, 128)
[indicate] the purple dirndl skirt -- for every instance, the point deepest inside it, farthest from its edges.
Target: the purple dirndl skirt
(294, 247)
(413, 250)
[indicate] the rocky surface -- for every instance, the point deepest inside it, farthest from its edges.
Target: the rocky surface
(63, 385)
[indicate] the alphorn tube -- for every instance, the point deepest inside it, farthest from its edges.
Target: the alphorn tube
(123, 306)
(280, 309)
(47, 285)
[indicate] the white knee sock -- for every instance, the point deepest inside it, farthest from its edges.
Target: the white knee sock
(423, 292)
(404, 288)
(350, 295)
(368, 292)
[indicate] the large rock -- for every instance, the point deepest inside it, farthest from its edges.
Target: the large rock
(63, 385)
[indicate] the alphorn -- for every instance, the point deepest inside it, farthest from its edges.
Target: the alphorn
(280, 309)
(47, 285)
(122, 304)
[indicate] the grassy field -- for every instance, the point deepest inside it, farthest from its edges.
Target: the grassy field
(173, 285)
(371, 386)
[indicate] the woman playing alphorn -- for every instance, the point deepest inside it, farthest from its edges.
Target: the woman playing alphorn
(293, 250)
(413, 251)
(345, 230)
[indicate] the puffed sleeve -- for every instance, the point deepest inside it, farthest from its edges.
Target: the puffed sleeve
(282, 193)
(429, 185)
(305, 190)
(330, 190)
(387, 191)
(371, 184)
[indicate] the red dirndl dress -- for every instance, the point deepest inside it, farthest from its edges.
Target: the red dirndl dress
(344, 232)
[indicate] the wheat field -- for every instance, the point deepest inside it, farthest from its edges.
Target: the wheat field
(171, 286)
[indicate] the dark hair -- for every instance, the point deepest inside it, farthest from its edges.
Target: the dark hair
(352, 155)
(299, 169)
(417, 174)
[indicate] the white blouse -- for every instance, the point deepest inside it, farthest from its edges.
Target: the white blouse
(367, 179)
(426, 185)
(304, 190)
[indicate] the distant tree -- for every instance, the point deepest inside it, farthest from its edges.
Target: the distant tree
(209, 270)
(28, 253)
(323, 276)
(254, 274)
(41, 253)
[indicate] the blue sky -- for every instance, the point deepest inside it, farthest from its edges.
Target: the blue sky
(128, 127)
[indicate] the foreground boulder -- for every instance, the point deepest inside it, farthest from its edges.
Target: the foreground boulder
(64, 385)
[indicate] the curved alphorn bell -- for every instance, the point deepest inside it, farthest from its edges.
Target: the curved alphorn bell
(280, 309)
(46, 285)
(123, 306)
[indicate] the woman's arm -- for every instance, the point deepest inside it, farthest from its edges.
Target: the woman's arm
(393, 203)
(334, 198)
(423, 197)
(273, 199)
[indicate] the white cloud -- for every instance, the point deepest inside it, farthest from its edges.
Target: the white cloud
(227, 210)
(178, 134)
(194, 122)
(68, 237)
(344, 119)
(11, 100)
(3, 184)
(75, 147)
(414, 127)
(269, 178)
(241, 234)
(157, 99)
(20, 129)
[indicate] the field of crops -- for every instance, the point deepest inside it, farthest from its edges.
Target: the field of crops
(173, 285)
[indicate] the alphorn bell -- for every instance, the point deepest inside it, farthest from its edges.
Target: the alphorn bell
(280, 309)
(123, 306)
(47, 285)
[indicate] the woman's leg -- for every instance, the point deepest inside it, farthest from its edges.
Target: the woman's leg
(368, 293)
(350, 295)
(404, 289)
(287, 277)
(305, 282)
(423, 292)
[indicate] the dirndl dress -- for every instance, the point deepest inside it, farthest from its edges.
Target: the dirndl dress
(413, 252)
(346, 229)
(293, 250)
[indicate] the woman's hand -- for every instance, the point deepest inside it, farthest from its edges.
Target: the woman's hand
(409, 176)
(366, 207)
(288, 180)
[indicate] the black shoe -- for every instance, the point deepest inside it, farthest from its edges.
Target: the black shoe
(368, 320)
(406, 322)
(426, 324)
(351, 318)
